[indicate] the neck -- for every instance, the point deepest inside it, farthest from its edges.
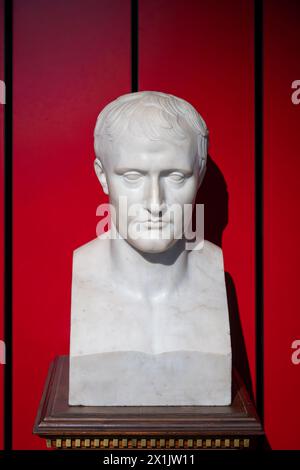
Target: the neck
(149, 276)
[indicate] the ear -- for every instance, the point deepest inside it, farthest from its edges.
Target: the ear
(202, 171)
(101, 175)
(201, 176)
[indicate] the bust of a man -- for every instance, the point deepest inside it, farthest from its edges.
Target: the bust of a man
(149, 320)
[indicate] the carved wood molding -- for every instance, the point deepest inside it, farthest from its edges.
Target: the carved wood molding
(147, 443)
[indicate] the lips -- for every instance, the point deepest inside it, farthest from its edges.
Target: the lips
(155, 224)
(152, 223)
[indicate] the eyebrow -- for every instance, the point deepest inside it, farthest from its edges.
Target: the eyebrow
(164, 171)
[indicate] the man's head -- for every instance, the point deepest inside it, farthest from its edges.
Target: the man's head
(150, 148)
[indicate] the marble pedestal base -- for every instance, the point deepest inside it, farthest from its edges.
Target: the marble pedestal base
(132, 378)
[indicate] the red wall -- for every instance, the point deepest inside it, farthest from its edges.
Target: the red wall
(282, 226)
(1, 215)
(70, 59)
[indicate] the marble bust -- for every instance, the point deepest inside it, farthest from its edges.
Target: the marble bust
(149, 317)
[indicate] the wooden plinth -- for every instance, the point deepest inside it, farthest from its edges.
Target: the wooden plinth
(134, 427)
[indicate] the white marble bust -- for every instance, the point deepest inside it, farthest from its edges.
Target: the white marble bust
(149, 317)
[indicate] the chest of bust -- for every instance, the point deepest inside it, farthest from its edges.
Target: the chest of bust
(104, 320)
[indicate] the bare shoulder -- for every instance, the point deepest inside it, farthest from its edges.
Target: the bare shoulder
(91, 254)
(92, 247)
(210, 255)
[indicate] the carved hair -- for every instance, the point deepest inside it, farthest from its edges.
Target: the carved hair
(149, 113)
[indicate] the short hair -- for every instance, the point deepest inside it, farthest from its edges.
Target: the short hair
(141, 111)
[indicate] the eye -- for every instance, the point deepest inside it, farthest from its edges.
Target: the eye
(177, 177)
(132, 176)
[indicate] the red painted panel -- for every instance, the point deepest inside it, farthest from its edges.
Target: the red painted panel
(282, 226)
(1, 216)
(70, 59)
(203, 52)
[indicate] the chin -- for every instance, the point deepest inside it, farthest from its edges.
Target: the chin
(152, 246)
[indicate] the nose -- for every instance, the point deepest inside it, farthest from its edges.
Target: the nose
(155, 198)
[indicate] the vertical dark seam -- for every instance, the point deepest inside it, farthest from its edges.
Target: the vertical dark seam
(134, 45)
(259, 227)
(8, 200)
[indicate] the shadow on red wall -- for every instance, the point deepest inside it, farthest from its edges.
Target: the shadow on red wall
(213, 194)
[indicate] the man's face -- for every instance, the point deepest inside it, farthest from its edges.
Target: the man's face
(156, 179)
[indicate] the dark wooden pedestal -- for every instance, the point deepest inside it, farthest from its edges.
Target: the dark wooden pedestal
(153, 427)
